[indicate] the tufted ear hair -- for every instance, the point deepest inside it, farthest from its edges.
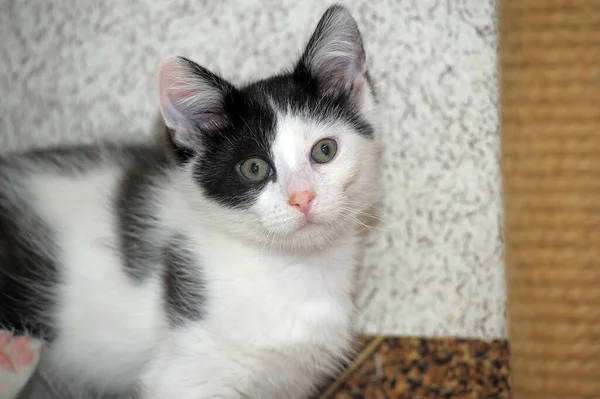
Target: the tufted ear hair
(335, 57)
(192, 101)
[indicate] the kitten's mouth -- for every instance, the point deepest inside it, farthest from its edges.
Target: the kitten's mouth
(308, 224)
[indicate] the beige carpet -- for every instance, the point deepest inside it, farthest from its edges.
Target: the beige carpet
(550, 60)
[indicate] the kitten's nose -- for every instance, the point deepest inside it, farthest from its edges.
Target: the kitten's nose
(302, 200)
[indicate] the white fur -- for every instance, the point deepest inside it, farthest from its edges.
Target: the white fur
(259, 310)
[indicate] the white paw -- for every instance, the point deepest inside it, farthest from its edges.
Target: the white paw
(18, 358)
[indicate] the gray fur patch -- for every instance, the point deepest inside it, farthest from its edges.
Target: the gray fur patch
(185, 288)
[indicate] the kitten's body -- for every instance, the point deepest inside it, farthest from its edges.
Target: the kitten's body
(158, 270)
(225, 322)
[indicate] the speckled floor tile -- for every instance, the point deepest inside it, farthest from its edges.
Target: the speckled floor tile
(414, 368)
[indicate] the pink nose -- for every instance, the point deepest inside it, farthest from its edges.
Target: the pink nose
(302, 199)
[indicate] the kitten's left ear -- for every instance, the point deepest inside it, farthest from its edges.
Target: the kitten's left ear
(335, 56)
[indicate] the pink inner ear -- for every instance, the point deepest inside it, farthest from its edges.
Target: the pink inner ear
(357, 89)
(178, 94)
(172, 91)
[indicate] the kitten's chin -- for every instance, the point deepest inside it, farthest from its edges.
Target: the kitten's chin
(307, 237)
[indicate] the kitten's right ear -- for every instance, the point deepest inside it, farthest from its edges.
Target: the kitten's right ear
(192, 101)
(335, 57)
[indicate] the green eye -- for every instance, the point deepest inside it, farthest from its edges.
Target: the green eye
(255, 169)
(323, 151)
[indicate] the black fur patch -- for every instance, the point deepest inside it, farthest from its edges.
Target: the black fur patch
(299, 92)
(28, 273)
(251, 130)
(185, 288)
(136, 216)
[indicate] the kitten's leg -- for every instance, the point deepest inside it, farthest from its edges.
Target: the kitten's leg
(17, 362)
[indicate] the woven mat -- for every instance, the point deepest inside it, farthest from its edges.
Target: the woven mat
(550, 118)
(414, 368)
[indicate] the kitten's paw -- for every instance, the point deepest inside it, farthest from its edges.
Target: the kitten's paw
(15, 352)
(18, 359)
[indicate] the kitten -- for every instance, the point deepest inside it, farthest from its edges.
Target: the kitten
(218, 265)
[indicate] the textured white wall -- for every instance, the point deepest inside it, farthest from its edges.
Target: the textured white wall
(78, 70)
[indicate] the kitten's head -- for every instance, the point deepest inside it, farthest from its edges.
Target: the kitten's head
(289, 161)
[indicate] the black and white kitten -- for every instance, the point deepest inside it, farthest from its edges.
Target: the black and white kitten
(221, 265)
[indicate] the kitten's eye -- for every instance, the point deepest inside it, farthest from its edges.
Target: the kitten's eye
(255, 169)
(323, 151)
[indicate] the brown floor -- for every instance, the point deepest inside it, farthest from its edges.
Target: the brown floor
(386, 367)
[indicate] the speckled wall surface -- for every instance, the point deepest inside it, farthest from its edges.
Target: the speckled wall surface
(80, 70)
